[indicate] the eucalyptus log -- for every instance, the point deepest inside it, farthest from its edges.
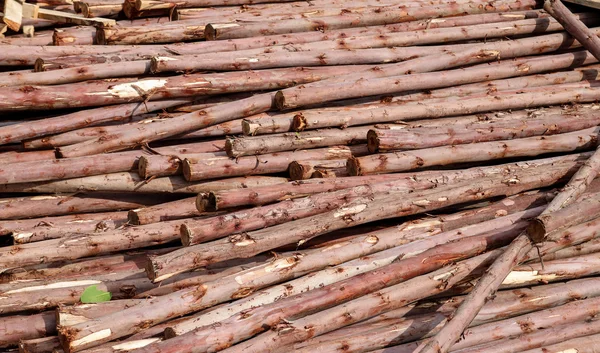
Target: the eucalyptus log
(132, 182)
(184, 208)
(81, 119)
(40, 345)
(20, 225)
(359, 211)
(375, 17)
(73, 36)
(104, 10)
(159, 33)
(301, 170)
(238, 147)
(584, 248)
(384, 140)
(210, 168)
(584, 344)
(475, 152)
(18, 157)
(50, 205)
(25, 327)
(143, 8)
(161, 165)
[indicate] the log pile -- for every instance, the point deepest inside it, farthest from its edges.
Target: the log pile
(291, 176)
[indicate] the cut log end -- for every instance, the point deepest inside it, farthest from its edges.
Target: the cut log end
(230, 148)
(536, 231)
(169, 333)
(143, 167)
(133, 217)
(187, 169)
(248, 128)
(372, 141)
(299, 171)
(39, 66)
(101, 36)
(210, 32)
(279, 101)
(206, 202)
(187, 235)
(299, 123)
(154, 65)
(353, 167)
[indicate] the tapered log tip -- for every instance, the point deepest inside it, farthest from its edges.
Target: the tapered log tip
(186, 235)
(206, 202)
(353, 166)
(372, 141)
(210, 32)
(536, 231)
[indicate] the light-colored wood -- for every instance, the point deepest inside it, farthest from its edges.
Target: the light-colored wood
(30, 10)
(589, 3)
(13, 13)
(3, 29)
(74, 19)
(28, 31)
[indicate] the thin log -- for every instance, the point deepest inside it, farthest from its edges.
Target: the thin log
(378, 16)
(475, 152)
(359, 211)
(575, 27)
(142, 8)
(18, 157)
(71, 36)
(169, 211)
(163, 33)
(301, 170)
(71, 315)
(7, 227)
(262, 164)
(585, 344)
(584, 248)
(107, 10)
(132, 182)
(47, 205)
(384, 140)
(238, 147)
(159, 166)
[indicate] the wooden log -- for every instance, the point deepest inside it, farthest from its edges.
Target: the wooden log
(21, 157)
(143, 8)
(106, 10)
(8, 227)
(132, 182)
(394, 74)
(185, 208)
(330, 173)
(585, 344)
(163, 33)
(81, 119)
(25, 327)
(302, 170)
(359, 211)
(47, 205)
(385, 140)
(70, 36)
(71, 315)
(238, 147)
(574, 26)
(584, 248)
(63, 17)
(419, 180)
(530, 146)
(378, 16)
(40, 345)
(159, 166)
(529, 98)
(252, 165)
(564, 217)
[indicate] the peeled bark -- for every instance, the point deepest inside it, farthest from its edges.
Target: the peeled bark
(261, 164)
(585, 344)
(71, 315)
(160, 33)
(7, 227)
(25, 327)
(81, 119)
(378, 16)
(301, 170)
(40, 206)
(238, 147)
(169, 211)
(132, 182)
(383, 140)
(359, 211)
(161, 165)
(418, 180)
(475, 152)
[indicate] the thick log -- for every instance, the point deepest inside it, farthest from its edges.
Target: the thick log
(142, 8)
(18, 157)
(238, 147)
(564, 217)
(106, 10)
(47, 205)
(99, 93)
(423, 77)
(24, 327)
(379, 16)
(574, 26)
(72, 36)
(585, 344)
(160, 165)
(301, 170)
(71, 315)
(359, 211)
(252, 165)
(8, 227)
(169, 211)
(418, 180)
(384, 140)
(529, 98)
(40, 345)
(81, 119)
(160, 33)
(585, 248)
(475, 152)
(132, 182)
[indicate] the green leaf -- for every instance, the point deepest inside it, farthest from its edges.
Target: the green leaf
(94, 295)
